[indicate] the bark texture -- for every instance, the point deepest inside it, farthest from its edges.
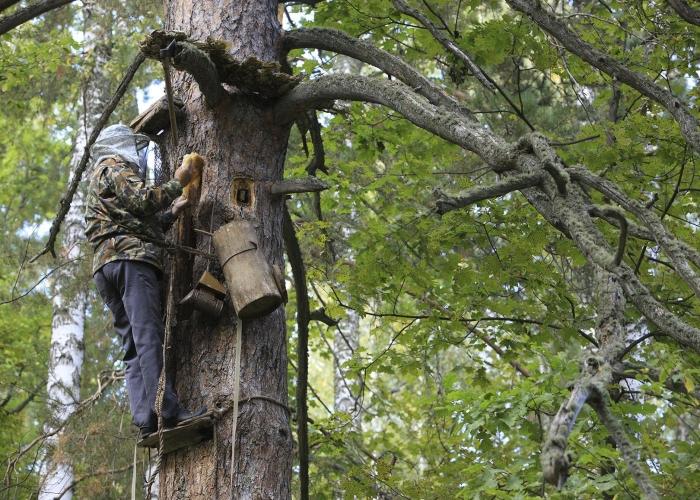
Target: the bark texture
(67, 326)
(239, 138)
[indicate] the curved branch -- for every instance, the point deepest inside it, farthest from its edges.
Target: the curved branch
(685, 11)
(78, 174)
(296, 261)
(445, 123)
(616, 213)
(342, 43)
(666, 241)
(604, 62)
(27, 14)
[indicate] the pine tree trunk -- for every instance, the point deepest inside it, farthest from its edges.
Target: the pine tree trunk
(69, 297)
(239, 139)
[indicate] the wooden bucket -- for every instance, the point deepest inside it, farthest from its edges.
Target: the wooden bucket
(250, 279)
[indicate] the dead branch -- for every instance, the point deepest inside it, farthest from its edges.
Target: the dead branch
(604, 62)
(28, 13)
(321, 316)
(67, 199)
(302, 185)
(685, 11)
(447, 204)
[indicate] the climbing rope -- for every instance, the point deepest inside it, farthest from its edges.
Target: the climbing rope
(170, 307)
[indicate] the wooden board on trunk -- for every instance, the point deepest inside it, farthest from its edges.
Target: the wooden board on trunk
(156, 118)
(189, 433)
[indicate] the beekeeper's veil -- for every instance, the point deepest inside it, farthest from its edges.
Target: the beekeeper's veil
(120, 140)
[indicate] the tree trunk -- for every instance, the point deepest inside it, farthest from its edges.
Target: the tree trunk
(70, 301)
(239, 139)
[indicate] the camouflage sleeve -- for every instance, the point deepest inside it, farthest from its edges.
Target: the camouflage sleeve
(167, 217)
(138, 198)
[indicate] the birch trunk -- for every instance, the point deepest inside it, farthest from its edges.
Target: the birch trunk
(346, 341)
(69, 297)
(239, 138)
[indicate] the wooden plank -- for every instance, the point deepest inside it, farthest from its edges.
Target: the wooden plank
(186, 434)
(156, 118)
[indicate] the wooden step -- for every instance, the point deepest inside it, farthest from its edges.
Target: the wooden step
(188, 433)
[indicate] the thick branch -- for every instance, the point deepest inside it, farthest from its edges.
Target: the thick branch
(303, 317)
(341, 43)
(451, 126)
(446, 42)
(510, 184)
(304, 185)
(685, 11)
(78, 173)
(555, 27)
(27, 14)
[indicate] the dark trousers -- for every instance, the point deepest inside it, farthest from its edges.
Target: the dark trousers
(131, 290)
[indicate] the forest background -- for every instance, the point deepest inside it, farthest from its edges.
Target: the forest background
(441, 347)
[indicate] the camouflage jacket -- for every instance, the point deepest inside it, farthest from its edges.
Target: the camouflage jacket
(125, 218)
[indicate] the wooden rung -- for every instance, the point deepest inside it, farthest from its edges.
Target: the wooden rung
(186, 434)
(156, 117)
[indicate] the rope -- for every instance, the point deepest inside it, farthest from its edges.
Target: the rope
(236, 394)
(133, 475)
(170, 307)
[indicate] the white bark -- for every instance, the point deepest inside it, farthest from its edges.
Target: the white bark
(70, 301)
(346, 341)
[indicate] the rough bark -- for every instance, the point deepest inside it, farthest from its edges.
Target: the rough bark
(69, 304)
(239, 138)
